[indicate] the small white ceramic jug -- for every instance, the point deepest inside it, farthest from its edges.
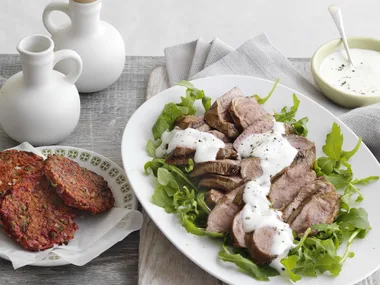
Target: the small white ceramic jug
(40, 105)
(99, 44)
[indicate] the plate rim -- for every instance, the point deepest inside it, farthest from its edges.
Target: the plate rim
(237, 77)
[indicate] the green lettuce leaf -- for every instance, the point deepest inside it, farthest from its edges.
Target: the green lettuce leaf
(350, 153)
(263, 100)
(246, 265)
(300, 127)
(152, 146)
(354, 219)
(190, 166)
(287, 115)
(290, 263)
(172, 111)
(201, 202)
(334, 142)
(366, 180)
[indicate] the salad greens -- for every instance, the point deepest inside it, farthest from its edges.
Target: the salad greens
(287, 116)
(263, 100)
(176, 194)
(317, 250)
(242, 260)
(172, 111)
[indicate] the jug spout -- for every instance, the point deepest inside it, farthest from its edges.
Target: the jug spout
(37, 59)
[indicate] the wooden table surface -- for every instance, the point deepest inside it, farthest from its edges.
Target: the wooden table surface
(100, 129)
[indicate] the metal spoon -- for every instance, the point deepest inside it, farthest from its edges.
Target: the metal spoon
(337, 17)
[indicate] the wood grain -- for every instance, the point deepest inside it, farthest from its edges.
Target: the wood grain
(162, 263)
(103, 118)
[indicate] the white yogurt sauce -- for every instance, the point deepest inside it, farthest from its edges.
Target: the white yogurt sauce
(275, 153)
(364, 80)
(206, 145)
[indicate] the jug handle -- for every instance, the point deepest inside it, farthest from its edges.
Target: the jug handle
(46, 18)
(72, 76)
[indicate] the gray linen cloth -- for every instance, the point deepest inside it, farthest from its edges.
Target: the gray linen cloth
(258, 57)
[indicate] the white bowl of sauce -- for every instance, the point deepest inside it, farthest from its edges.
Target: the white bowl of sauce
(344, 85)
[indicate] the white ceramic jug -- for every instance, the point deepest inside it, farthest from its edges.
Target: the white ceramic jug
(99, 44)
(38, 104)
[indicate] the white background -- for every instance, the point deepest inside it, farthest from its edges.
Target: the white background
(296, 27)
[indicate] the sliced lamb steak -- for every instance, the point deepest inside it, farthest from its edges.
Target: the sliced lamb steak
(263, 125)
(218, 116)
(237, 231)
(225, 167)
(212, 197)
(194, 122)
(220, 182)
(220, 136)
(321, 208)
(189, 121)
(319, 185)
(245, 111)
(286, 187)
(259, 244)
(181, 155)
(220, 218)
(250, 167)
(227, 152)
(305, 147)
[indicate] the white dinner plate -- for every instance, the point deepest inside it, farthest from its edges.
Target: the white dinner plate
(204, 251)
(109, 170)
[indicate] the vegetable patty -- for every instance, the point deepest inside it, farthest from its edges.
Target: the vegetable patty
(78, 187)
(35, 216)
(16, 165)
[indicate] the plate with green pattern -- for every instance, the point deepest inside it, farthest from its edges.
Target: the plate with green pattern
(112, 173)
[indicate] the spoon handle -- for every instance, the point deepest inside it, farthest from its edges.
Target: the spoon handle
(337, 17)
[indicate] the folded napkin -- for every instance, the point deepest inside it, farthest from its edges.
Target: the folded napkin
(258, 57)
(96, 234)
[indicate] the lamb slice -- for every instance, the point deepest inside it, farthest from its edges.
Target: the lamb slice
(228, 152)
(195, 122)
(319, 185)
(237, 231)
(178, 160)
(220, 136)
(188, 121)
(305, 147)
(220, 182)
(180, 156)
(286, 186)
(259, 245)
(225, 167)
(218, 116)
(306, 153)
(220, 218)
(245, 111)
(212, 197)
(182, 151)
(321, 208)
(263, 125)
(250, 168)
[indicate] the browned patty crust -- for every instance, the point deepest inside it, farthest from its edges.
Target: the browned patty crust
(78, 187)
(16, 165)
(34, 215)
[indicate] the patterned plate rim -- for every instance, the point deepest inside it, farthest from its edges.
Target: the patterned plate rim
(109, 167)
